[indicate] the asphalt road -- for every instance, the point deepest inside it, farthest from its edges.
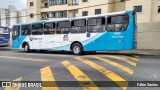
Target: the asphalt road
(99, 70)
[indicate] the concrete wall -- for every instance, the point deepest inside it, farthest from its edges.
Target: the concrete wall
(145, 15)
(35, 9)
(155, 14)
(148, 36)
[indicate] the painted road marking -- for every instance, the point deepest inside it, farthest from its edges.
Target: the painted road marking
(122, 59)
(136, 56)
(130, 57)
(14, 88)
(114, 64)
(25, 59)
(80, 76)
(46, 75)
(108, 73)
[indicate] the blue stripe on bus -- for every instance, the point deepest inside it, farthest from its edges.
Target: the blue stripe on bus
(84, 43)
(16, 43)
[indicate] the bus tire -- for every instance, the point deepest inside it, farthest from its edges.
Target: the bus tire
(42, 51)
(77, 49)
(27, 48)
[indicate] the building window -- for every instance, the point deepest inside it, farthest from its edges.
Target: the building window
(44, 16)
(31, 4)
(85, 0)
(158, 9)
(74, 2)
(62, 14)
(31, 15)
(85, 13)
(45, 5)
(138, 8)
(52, 2)
(52, 14)
(57, 2)
(60, 2)
(97, 11)
(74, 13)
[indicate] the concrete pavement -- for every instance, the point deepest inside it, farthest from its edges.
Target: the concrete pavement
(55, 66)
(136, 52)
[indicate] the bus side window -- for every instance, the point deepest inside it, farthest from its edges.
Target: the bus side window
(49, 28)
(26, 30)
(78, 26)
(117, 23)
(63, 27)
(37, 29)
(96, 25)
(16, 30)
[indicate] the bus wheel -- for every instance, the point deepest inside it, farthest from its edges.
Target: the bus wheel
(77, 49)
(26, 48)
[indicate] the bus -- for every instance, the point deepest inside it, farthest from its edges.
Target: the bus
(103, 32)
(4, 36)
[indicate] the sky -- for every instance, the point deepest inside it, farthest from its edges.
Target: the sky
(20, 4)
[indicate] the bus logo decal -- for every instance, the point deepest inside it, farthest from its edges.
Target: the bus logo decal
(65, 37)
(31, 38)
(88, 34)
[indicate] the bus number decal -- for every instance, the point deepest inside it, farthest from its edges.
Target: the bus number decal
(117, 35)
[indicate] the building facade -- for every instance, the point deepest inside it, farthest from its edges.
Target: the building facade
(22, 16)
(10, 16)
(13, 15)
(147, 10)
(148, 13)
(4, 17)
(57, 9)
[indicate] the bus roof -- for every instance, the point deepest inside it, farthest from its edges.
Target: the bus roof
(21, 24)
(3, 27)
(92, 16)
(38, 22)
(75, 18)
(30, 23)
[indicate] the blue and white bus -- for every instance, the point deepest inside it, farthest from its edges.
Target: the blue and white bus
(4, 36)
(112, 31)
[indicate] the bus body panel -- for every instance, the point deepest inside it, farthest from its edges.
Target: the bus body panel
(4, 36)
(122, 40)
(18, 42)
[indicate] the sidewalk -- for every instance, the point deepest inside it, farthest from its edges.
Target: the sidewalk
(136, 52)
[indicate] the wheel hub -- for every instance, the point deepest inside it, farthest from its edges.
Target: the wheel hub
(76, 49)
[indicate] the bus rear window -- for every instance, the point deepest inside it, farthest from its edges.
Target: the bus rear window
(117, 23)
